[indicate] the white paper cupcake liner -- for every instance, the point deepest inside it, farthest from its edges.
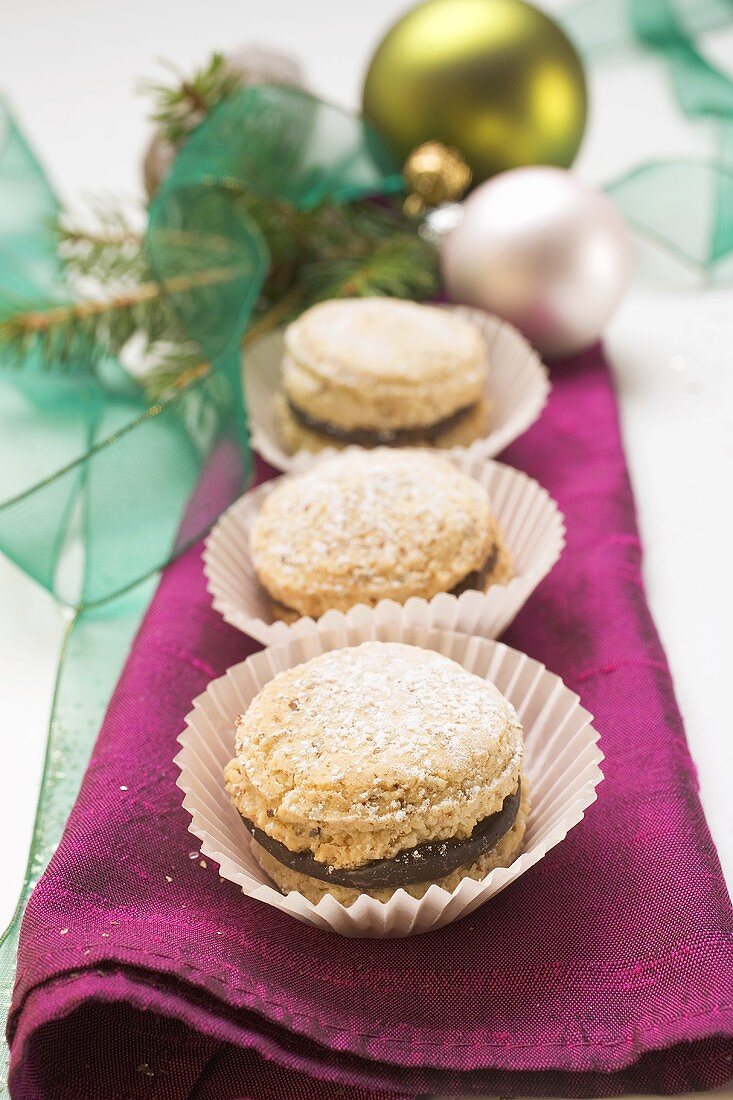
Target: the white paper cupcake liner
(561, 764)
(530, 521)
(517, 386)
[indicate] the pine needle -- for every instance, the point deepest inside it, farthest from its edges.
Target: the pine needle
(333, 251)
(91, 329)
(179, 107)
(396, 269)
(105, 246)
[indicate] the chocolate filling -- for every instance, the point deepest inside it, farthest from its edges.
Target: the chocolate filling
(374, 437)
(426, 862)
(476, 579)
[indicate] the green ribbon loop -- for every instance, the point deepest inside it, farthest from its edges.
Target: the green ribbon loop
(98, 501)
(700, 88)
(686, 206)
(600, 27)
(29, 267)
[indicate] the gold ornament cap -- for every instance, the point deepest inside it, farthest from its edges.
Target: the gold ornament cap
(434, 173)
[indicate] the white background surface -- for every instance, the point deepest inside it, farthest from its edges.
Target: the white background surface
(70, 70)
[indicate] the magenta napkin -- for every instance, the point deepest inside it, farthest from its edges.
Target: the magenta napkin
(607, 968)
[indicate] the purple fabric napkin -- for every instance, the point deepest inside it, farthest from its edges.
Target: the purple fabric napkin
(607, 968)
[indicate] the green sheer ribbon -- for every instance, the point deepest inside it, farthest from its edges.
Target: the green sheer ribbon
(686, 206)
(98, 488)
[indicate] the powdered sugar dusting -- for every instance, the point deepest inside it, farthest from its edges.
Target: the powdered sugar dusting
(381, 717)
(373, 522)
(385, 338)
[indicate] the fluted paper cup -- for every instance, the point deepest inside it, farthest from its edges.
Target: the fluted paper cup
(517, 386)
(530, 521)
(561, 764)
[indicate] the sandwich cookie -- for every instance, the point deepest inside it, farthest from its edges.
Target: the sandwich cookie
(370, 525)
(379, 767)
(381, 371)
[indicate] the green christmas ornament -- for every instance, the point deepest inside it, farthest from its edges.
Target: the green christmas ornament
(496, 79)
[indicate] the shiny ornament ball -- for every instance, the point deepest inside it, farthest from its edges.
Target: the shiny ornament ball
(434, 174)
(544, 251)
(496, 79)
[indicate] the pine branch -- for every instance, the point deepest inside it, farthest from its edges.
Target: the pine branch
(105, 247)
(96, 328)
(176, 366)
(180, 107)
(330, 252)
(396, 269)
(332, 231)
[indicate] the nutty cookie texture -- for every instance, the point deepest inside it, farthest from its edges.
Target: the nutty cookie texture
(378, 371)
(372, 525)
(365, 753)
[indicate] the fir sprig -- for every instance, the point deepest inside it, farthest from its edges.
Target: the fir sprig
(332, 251)
(179, 107)
(395, 269)
(105, 246)
(69, 335)
(366, 250)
